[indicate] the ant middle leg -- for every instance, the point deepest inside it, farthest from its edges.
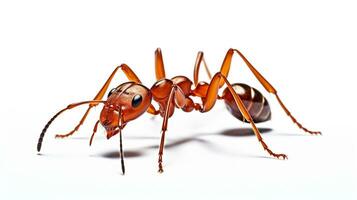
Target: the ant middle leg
(159, 65)
(200, 59)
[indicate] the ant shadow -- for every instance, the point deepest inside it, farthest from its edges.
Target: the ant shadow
(137, 153)
(237, 132)
(243, 132)
(116, 154)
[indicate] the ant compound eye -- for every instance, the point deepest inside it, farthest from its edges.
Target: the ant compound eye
(136, 100)
(111, 92)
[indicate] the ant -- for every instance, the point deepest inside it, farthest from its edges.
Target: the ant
(130, 100)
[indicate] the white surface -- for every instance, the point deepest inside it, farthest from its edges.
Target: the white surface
(53, 54)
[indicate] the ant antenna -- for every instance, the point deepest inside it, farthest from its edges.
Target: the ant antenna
(70, 106)
(121, 143)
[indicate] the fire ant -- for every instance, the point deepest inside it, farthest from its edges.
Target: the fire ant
(131, 99)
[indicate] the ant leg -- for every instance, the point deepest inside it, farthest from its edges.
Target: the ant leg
(160, 74)
(225, 70)
(130, 75)
(70, 106)
(159, 65)
(94, 131)
(178, 97)
(211, 97)
(152, 110)
(199, 59)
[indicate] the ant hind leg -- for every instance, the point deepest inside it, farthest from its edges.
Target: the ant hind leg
(225, 70)
(211, 97)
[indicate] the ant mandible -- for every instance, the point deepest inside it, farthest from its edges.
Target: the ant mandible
(132, 99)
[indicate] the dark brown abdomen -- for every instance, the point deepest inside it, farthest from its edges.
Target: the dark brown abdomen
(256, 104)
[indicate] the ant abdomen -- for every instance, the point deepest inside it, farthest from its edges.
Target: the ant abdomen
(256, 104)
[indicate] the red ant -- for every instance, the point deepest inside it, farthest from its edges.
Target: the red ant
(132, 99)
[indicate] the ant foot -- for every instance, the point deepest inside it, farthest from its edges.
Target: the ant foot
(308, 131)
(315, 132)
(280, 156)
(61, 136)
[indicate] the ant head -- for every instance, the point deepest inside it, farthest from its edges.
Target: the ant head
(125, 103)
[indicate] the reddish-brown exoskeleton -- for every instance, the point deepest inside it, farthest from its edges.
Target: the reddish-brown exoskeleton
(132, 99)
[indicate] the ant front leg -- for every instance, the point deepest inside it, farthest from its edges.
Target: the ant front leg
(130, 75)
(225, 70)
(210, 100)
(176, 96)
(70, 106)
(94, 131)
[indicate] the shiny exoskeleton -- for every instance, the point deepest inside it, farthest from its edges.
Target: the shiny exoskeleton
(256, 104)
(130, 100)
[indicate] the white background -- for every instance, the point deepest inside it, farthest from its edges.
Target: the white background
(56, 53)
